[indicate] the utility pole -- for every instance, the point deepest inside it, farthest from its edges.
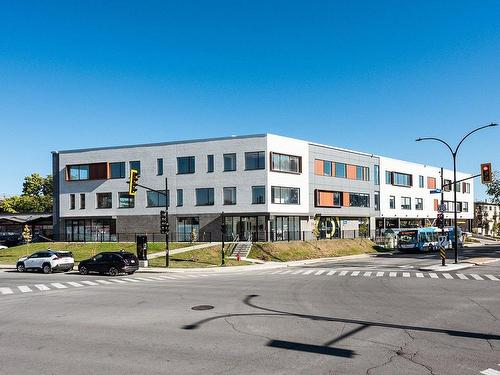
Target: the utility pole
(223, 232)
(443, 259)
(167, 260)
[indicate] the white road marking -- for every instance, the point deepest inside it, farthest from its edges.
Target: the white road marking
(195, 276)
(433, 275)
(407, 266)
(75, 284)
(104, 282)
(154, 278)
(42, 287)
(287, 271)
(355, 273)
(143, 278)
(343, 273)
(119, 281)
(330, 273)
(163, 277)
(131, 280)
(490, 371)
(462, 276)
(447, 276)
(297, 272)
(380, 274)
(419, 274)
(476, 276)
(393, 274)
(89, 282)
(308, 272)
(24, 289)
(406, 274)
(366, 274)
(275, 272)
(319, 272)
(491, 277)
(6, 291)
(59, 285)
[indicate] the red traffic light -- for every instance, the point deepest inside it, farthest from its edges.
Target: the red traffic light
(486, 174)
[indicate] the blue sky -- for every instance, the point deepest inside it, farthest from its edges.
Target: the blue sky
(369, 76)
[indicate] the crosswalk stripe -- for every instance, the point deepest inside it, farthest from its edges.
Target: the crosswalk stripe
(319, 272)
(42, 287)
(491, 277)
(343, 273)
(73, 283)
(104, 282)
(476, 276)
(24, 289)
(192, 276)
(156, 278)
(131, 280)
(330, 273)
(447, 276)
(89, 282)
(275, 272)
(143, 278)
(420, 274)
(59, 285)
(355, 273)
(380, 274)
(490, 371)
(6, 291)
(366, 274)
(433, 275)
(393, 274)
(406, 274)
(118, 281)
(287, 271)
(308, 272)
(462, 276)
(297, 272)
(169, 278)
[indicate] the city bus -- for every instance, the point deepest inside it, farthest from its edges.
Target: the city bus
(419, 239)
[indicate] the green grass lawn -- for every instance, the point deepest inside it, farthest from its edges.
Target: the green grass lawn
(202, 258)
(81, 250)
(301, 250)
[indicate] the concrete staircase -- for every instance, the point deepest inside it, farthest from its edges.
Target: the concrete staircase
(242, 248)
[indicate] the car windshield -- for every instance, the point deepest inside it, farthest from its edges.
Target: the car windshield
(127, 256)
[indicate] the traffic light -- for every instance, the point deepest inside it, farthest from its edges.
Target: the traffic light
(440, 220)
(133, 181)
(223, 228)
(164, 226)
(486, 175)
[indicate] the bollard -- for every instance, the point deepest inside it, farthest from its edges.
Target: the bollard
(442, 253)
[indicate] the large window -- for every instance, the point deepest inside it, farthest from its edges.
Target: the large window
(229, 162)
(376, 172)
(255, 160)
(104, 200)
(205, 197)
(210, 163)
(392, 202)
(466, 187)
(285, 195)
(405, 203)
(376, 201)
(341, 170)
(465, 206)
(328, 198)
(185, 165)
(78, 172)
(401, 179)
(447, 185)
(258, 194)
(359, 200)
(186, 226)
(117, 170)
(229, 195)
(388, 177)
(362, 173)
(419, 204)
(180, 198)
(82, 201)
(286, 163)
(136, 164)
(159, 166)
(157, 199)
(327, 168)
(125, 200)
(457, 187)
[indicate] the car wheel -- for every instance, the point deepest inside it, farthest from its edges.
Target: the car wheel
(20, 267)
(113, 271)
(83, 270)
(46, 268)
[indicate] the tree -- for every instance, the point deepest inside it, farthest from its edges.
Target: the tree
(36, 196)
(493, 189)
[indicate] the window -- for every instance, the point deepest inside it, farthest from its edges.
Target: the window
(159, 167)
(457, 187)
(421, 181)
(185, 165)
(104, 200)
(229, 194)
(229, 162)
(447, 185)
(401, 179)
(327, 168)
(340, 170)
(376, 172)
(466, 187)
(431, 183)
(82, 201)
(285, 195)
(117, 170)
(258, 195)
(388, 177)
(465, 206)
(157, 198)
(392, 202)
(419, 204)
(72, 201)
(255, 160)
(205, 197)
(210, 163)
(136, 164)
(376, 200)
(125, 200)
(180, 198)
(328, 198)
(405, 203)
(362, 173)
(359, 200)
(286, 163)
(78, 172)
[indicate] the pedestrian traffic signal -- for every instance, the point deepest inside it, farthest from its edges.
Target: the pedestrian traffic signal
(223, 228)
(486, 175)
(164, 226)
(440, 220)
(133, 181)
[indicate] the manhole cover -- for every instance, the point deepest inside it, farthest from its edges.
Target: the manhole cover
(202, 307)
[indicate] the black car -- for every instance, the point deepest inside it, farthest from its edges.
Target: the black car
(110, 262)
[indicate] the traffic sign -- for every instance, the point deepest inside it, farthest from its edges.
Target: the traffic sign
(436, 191)
(443, 241)
(442, 208)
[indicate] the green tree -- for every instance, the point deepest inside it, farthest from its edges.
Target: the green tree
(493, 189)
(36, 196)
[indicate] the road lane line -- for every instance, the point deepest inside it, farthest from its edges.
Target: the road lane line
(491, 277)
(366, 274)
(447, 276)
(42, 287)
(75, 284)
(59, 285)
(355, 273)
(104, 282)
(308, 272)
(89, 282)
(343, 273)
(406, 274)
(490, 371)
(24, 289)
(462, 276)
(319, 272)
(380, 274)
(132, 280)
(433, 275)
(476, 276)
(419, 274)
(6, 291)
(393, 274)
(118, 281)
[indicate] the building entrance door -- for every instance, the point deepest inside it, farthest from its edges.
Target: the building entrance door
(246, 227)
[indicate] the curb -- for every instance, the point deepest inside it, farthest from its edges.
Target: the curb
(449, 267)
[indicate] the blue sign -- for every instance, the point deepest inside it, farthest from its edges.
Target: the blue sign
(436, 191)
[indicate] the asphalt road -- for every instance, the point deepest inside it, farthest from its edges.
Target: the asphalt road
(332, 318)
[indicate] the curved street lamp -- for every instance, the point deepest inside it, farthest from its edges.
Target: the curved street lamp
(454, 154)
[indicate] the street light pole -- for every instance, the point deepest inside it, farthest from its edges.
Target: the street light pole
(454, 155)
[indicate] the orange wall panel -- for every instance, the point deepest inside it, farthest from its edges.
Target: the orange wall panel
(436, 204)
(318, 167)
(345, 199)
(351, 172)
(431, 183)
(326, 198)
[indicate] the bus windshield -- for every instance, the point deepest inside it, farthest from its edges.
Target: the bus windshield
(408, 237)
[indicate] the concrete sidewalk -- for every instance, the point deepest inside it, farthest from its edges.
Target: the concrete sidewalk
(183, 250)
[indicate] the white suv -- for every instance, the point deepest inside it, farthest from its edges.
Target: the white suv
(47, 261)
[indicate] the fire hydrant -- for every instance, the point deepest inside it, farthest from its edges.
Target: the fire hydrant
(238, 257)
